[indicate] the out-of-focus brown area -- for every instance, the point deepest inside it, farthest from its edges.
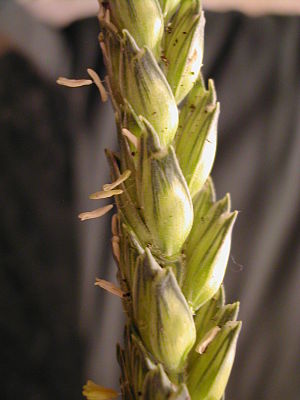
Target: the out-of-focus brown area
(56, 328)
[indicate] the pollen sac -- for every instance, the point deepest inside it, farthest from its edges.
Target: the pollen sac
(161, 313)
(207, 251)
(148, 31)
(208, 375)
(169, 7)
(146, 89)
(184, 48)
(196, 139)
(165, 198)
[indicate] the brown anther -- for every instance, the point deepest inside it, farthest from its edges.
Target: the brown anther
(73, 83)
(109, 287)
(104, 51)
(121, 179)
(97, 81)
(130, 136)
(107, 15)
(116, 239)
(106, 20)
(114, 225)
(95, 213)
(104, 194)
(208, 338)
(116, 250)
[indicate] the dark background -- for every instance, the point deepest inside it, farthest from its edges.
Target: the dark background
(56, 329)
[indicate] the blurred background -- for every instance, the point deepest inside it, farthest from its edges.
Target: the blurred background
(56, 328)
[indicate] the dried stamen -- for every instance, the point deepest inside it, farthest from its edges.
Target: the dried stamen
(93, 74)
(208, 338)
(121, 179)
(104, 194)
(114, 225)
(130, 136)
(73, 83)
(96, 213)
(109, 287)
(116, 247)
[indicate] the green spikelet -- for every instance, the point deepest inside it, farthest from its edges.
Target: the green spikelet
(171, 237)
(145, 87)
(148, 31)
(161, 314)
(184, 49)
